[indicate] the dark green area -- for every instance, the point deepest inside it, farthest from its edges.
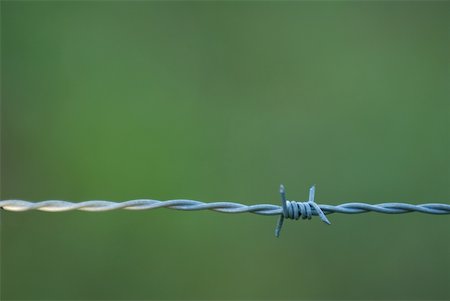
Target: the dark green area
(223, 102)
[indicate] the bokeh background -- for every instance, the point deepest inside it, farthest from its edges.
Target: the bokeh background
(223, 101)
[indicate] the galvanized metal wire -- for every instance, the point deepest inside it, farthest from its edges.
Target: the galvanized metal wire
(288, 209)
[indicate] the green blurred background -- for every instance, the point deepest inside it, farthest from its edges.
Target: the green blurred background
(223, 102)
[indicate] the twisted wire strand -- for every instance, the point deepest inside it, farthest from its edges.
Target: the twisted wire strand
(226, 207)
(142, 204)
(287, 210)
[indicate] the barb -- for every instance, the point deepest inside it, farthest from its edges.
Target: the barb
(288, 209)
(295, 210)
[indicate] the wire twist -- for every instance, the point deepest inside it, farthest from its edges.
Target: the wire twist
(288, 209)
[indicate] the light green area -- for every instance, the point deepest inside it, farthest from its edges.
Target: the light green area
(223, 102)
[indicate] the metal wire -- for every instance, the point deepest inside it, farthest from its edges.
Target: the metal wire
(288, 209)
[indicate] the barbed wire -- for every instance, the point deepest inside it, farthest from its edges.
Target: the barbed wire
(288, 209)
